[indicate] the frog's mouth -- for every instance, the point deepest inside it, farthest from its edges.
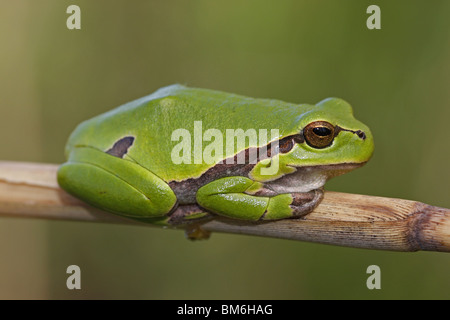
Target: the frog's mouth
(333, 170)
(308, 178)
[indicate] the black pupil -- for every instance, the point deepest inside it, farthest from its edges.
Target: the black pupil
(322, 131)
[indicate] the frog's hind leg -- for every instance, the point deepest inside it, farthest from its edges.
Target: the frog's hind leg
(116, 185)
(189, 214)
(190, 217)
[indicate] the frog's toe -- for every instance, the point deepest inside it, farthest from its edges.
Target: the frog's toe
(305, 202)
(292, 205)
(196, 232)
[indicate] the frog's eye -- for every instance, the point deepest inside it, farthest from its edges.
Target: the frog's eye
(319, 134)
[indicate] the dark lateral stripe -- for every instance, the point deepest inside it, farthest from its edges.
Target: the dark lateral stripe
(284, 146)
(237, 167)
(120, 148)
(359, 133)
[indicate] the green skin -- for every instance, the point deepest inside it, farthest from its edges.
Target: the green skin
(140, 180)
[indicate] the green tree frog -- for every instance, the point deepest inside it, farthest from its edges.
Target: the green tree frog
(172, 149)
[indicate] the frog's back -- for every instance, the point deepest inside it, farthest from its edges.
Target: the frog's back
(152, 120)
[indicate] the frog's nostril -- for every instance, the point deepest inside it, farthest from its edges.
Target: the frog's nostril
(361, 134)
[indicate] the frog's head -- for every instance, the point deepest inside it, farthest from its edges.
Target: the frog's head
(329, 142)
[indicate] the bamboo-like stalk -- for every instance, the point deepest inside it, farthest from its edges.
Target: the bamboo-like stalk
(30, 190)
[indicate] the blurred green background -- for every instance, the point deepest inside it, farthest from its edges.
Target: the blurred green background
(396, 78)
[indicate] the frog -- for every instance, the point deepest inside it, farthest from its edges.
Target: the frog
(143, 160)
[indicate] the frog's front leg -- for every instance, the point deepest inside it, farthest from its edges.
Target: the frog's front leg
(302, 203)
(242, 198)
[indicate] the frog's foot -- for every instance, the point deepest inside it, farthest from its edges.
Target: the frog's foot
(196, 232)
(305, 202)
(190, 217)
(292, 205)
(188, 214)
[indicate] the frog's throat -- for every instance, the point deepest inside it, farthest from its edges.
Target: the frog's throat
(308, 178)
